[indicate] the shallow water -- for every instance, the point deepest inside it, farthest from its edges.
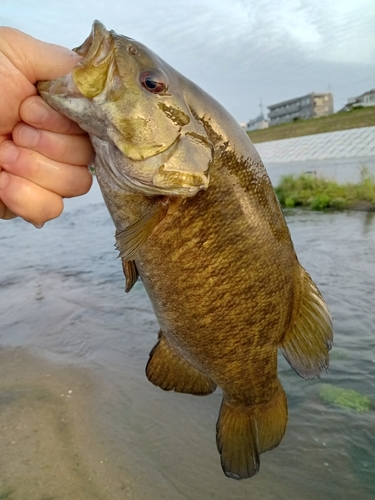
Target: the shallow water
(67, 325)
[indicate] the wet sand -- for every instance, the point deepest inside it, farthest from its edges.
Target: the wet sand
(48, 449)
(60, 440)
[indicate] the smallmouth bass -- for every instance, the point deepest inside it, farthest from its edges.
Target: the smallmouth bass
(197, 219)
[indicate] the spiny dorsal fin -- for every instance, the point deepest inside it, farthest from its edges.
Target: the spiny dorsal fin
(307, 343)
(131, 239)
(169, 371)
(131, 274)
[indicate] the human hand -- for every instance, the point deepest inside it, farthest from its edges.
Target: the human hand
(43, 155)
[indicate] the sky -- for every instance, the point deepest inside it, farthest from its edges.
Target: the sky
(241, 52)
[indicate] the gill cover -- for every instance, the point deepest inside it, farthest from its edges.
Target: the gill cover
(142, 105)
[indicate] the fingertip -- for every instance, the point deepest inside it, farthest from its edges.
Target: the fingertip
(26, 136)
(30, 201)
(52, 61)
(77, 182)
(34, 110)
(87, 182)
(8, 153)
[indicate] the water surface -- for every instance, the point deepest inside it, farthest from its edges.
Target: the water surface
(78, 417)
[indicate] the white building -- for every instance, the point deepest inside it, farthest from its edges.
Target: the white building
(258, 123)
(366, 99)
(311, 105)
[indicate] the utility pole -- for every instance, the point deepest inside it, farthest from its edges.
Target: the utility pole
(261, 108)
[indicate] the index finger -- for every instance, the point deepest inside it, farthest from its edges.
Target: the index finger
(39, 114)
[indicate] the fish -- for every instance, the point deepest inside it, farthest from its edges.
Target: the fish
(197, 219)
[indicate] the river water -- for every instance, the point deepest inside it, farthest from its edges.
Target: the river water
(78, 418)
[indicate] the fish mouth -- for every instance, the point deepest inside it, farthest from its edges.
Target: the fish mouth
(97, 44)
(95, 50)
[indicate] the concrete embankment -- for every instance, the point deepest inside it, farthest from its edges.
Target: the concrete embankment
(353, 143)
(338, 155)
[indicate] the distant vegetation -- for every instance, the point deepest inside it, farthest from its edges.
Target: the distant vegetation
(356, 118)
(318, 193)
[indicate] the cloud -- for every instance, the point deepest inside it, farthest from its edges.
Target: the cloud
(238, 50)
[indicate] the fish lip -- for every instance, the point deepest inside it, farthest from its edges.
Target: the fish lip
(93, 43)
(43, 86)
(91, 50)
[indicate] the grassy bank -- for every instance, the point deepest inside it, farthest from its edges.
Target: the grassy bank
(317, 193)
(357, 118)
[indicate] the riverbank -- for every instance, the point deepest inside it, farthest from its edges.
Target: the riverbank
(356, 118)
(319, 193)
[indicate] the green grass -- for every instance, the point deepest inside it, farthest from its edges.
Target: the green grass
(356, 118)
(317, 193)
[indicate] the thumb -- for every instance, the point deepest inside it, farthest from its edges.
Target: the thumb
(35, 59)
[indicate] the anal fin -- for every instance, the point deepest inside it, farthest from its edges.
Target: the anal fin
(307, 343)
(169, 371)
(244, 432)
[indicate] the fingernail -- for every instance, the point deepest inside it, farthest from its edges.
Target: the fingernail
(8, 153)
(4, 179)
(28, 136)
(36, 112)
(38, 225)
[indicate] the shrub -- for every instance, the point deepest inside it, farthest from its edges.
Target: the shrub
(318, 193)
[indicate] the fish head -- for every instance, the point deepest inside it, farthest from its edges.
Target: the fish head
(123, 94)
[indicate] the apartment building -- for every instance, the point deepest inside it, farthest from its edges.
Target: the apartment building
(311, 105)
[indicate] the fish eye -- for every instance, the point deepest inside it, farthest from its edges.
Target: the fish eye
(153, 81)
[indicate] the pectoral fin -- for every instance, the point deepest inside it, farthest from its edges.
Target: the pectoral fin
(169, 371)
(130, 240)
(307, 343)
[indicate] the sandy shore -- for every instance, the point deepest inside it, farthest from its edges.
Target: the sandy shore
(46, 432)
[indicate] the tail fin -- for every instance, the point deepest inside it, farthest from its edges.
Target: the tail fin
(244, 432)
